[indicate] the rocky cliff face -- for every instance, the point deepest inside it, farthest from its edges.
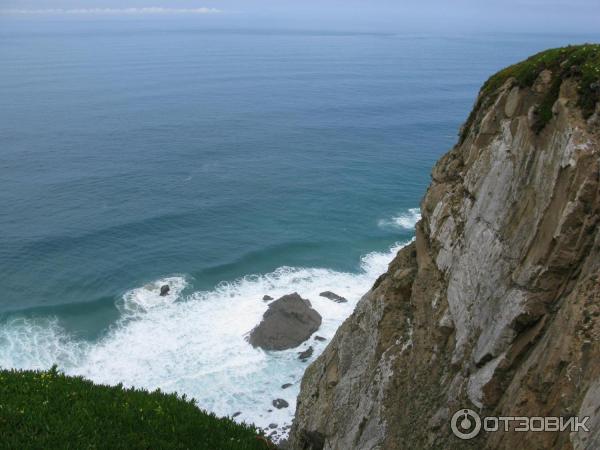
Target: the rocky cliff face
(496, 304)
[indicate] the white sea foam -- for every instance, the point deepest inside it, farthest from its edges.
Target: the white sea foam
(405, 221)
(195, 344)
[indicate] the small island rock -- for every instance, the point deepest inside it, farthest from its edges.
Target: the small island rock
(303, 356)
(280, 403)
(289, 321)
(333, 296)
(164, 290)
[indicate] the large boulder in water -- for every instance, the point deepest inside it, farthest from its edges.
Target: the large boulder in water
(289, 321)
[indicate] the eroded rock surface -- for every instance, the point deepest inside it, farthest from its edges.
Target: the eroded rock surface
(496, 304)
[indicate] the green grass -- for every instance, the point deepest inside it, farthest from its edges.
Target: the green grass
(580, 62)
(48, 410)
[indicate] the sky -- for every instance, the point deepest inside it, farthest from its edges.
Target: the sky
(549, 16)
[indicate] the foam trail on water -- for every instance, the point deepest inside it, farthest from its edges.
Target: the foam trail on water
(38, 344)
(195, 344)
(141, 300)
(404, 221)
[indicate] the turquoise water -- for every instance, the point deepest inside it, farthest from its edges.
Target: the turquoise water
(229, 163)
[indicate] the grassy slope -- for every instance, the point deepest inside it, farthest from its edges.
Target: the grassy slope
(581, 62)
(47, 410)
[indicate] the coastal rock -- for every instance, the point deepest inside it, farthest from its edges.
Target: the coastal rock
(267, 298)
(164, 290)
(333, 296)
(280, 403)
(286, 385)
(320, 338)
(235, 414)
(303, 356)
(289, 321)
(495, 306)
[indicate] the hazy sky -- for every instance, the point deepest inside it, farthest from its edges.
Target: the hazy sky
(504, 15)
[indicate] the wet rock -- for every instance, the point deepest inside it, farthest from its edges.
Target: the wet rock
(333, 296)
(280, 403)
(164, 290)
(286, 385)
(320, 338)
(312, 440)
(303, 356)
(289, 321)
(272, 425)
(267, 298)
(236, 414)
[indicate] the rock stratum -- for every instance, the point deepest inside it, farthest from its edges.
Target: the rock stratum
(495, 306)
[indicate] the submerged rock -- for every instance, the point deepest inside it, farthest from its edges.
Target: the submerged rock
(164, 290)
(289, 321)
(333, 296)
(280, 403)
(303, 356)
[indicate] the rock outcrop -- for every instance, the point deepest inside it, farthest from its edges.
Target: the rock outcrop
(164, 290)
(333, 297)
(289, 321)
(306, 354)
(495, 306)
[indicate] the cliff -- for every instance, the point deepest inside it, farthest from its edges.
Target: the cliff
(495, 306)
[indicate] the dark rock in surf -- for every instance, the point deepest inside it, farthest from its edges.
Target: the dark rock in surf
(164, 290)
(303, 356)
(267, 298)
(236, 414)
(286, 385)
(289, 321)
(320, 338)
(333, 296)
(280, 403)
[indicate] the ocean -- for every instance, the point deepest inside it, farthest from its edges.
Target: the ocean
(228, 163)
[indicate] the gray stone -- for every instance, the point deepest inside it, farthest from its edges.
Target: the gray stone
(303, 356)
(280, 403)
(164, 290)
(333, 296)
(289, 321)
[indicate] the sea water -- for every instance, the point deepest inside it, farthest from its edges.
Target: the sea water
(229, 164)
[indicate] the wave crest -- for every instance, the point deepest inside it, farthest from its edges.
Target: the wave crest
(404, 221)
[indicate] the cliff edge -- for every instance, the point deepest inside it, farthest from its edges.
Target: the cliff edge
(495, 306)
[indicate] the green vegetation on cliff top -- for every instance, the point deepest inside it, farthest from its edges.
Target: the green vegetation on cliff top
(48, 410)
(580, 62)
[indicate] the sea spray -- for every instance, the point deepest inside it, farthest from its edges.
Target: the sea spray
(404, 221)
(196, 343)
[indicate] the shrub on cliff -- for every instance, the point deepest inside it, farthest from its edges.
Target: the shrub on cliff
(47, 410)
